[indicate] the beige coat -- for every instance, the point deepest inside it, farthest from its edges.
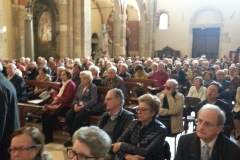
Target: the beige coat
(175, 110)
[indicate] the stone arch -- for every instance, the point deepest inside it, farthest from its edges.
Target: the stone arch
(217, 13)
(196, 23)
(94, 36)
(99, 9)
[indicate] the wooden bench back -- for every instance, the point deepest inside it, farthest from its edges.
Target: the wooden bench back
(42, 84)
(145, 82)
(103, 91)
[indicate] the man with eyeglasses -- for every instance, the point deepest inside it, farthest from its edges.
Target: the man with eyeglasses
(89, 143)
(116, 119)
(213, 92)
(171, 107)
(208, 142)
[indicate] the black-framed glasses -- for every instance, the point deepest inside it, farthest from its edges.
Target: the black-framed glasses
(71, 154)
(205, 124)
(13, 150)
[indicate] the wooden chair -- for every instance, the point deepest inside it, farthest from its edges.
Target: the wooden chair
(174, 135)
(131, 98)
(189, 101)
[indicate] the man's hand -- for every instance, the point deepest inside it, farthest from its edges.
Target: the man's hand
(167, 92)
(134, 157)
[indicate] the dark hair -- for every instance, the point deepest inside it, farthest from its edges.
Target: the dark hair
(44, 69)
(211, 68)
(139, 67)
(210, 74)
(218, 85)
(68, 73)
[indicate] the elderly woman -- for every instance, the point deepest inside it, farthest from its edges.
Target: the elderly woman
(85, 98)
(31, 71)
(17, 81)
(123, 68)
(97, 80)
(140, 73)
(64, 96)
(197, 90)
(207, 79)
(144, 138)
(89, 142)
(27, 144)
(154, 68)
(42, 77)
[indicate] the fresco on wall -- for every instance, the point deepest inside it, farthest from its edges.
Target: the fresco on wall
(45, 27)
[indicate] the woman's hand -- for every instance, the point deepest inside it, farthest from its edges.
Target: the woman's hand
(55, 100)
(116, 147)
(77, 108)
(134, 157)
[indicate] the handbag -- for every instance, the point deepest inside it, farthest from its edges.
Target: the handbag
(52, 108)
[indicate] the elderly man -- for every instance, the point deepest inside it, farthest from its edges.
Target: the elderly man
(181, 74)
(235, 80)
(226, 88)
(171, 108)
(116, 119)
(207, 142)
(113, 80)
(213, 91)
(17, 81)
(161, 77)
(9, 118)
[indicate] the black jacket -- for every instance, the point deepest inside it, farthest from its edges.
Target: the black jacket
(145, 141)
(9, 118)
(19, 84)
(123, 120)
(189, 148)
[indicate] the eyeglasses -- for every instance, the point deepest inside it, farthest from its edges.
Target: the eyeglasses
(13, 150)
(199, 122)
(71, 154)
(142, 109)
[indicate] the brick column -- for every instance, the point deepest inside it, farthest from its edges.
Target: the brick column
(1, 26)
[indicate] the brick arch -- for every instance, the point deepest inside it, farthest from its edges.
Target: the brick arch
(99, 9)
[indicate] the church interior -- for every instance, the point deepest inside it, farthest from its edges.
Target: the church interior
(113, 28)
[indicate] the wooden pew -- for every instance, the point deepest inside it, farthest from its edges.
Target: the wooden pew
(145, 82)
(25, 108)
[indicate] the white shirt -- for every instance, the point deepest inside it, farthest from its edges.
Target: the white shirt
(201, 93)
(211, 145)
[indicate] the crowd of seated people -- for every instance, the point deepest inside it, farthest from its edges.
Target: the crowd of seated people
(221, 88)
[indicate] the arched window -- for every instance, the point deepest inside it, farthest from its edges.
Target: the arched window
(163, 21)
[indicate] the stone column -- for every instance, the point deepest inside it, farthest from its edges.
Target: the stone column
(77, 28)
(29, 38)
(70, 30)
(116, 35)
(119, 35)
(1, 31)
(123, 18)
(63, 28)
(150, 28)
(86, 28)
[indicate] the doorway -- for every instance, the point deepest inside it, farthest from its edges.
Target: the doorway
(205, 41)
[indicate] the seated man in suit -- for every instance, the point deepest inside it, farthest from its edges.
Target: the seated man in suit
(17, 81)
(208, 142)
(171, 107)
(113, 80)
(116, 119)
(226, 88)
(213, 92)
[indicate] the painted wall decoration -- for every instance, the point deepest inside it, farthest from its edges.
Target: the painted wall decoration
(45, 27)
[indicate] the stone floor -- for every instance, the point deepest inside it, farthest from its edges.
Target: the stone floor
(58, 151)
